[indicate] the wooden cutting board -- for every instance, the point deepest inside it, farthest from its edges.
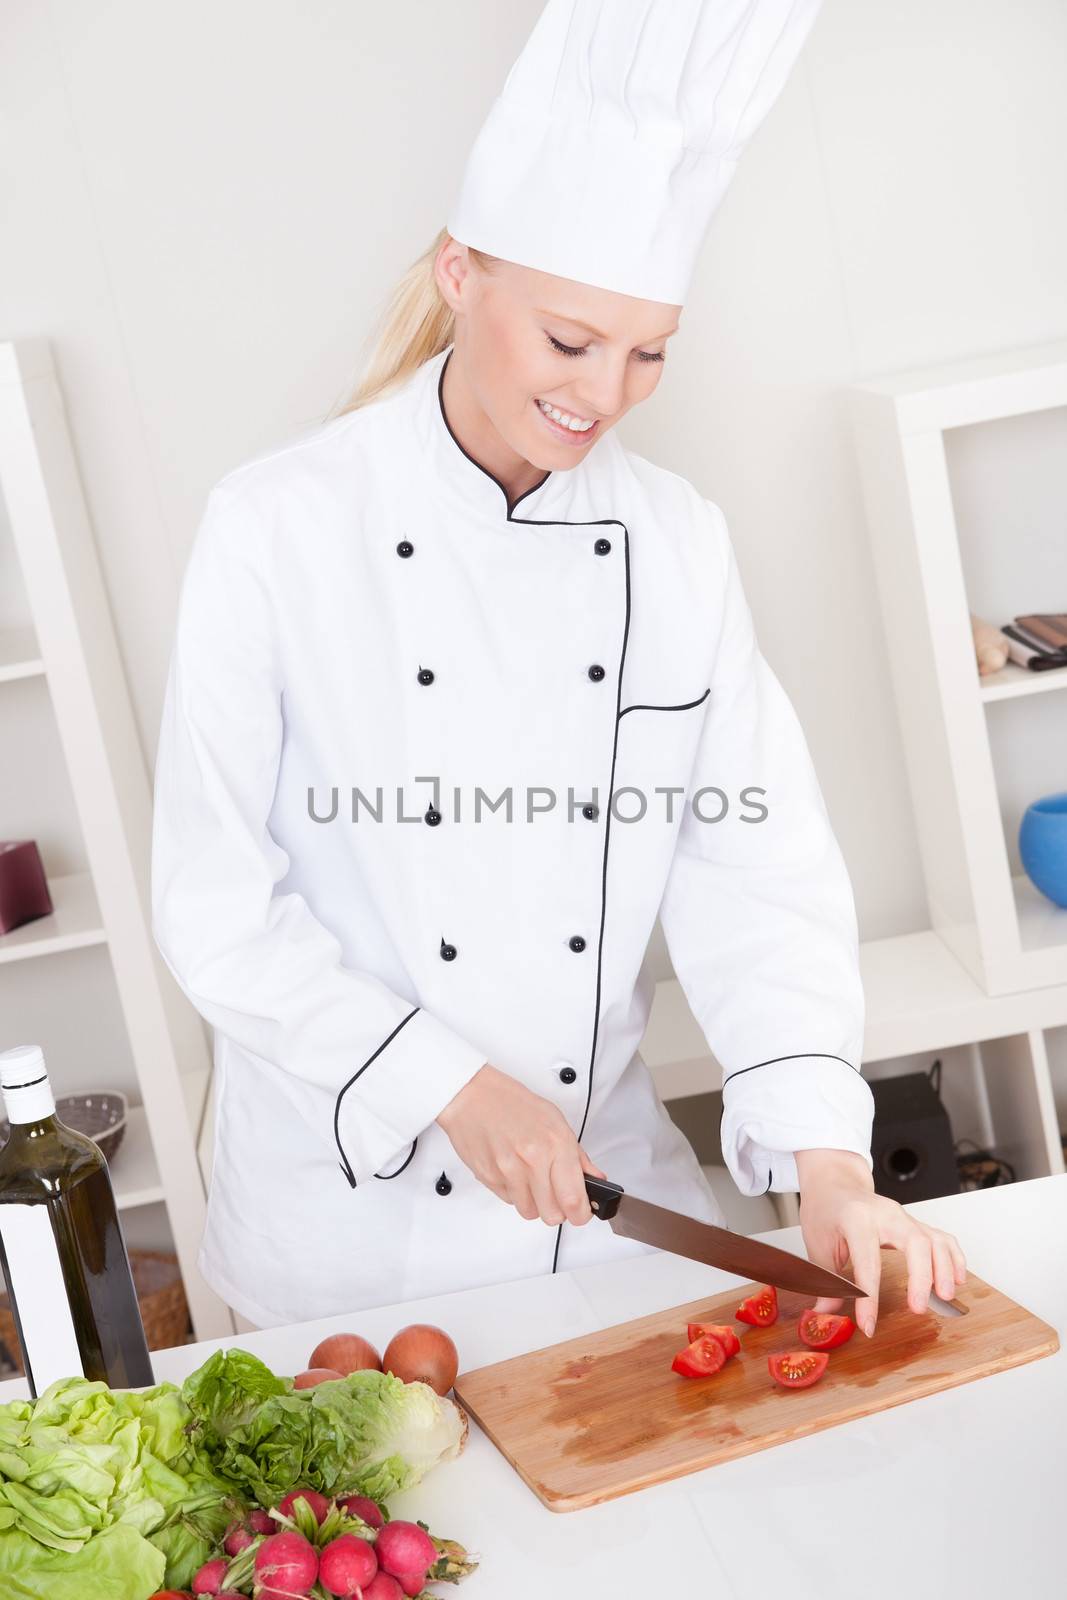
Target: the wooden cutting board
(603, 1415)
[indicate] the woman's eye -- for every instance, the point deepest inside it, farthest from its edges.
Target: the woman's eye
(650, 355)
(564, 349)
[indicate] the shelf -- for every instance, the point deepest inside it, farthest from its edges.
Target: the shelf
(1012, 681)
(134, 1173)
(74, 923)
(18, 654)
(1042, 925)
(919, 998)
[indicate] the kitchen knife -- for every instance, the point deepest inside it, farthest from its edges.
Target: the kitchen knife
(718, 1247)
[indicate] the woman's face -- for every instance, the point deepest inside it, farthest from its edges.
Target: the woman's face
(551, 363)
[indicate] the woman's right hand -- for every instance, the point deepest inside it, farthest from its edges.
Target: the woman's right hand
(521, 1147)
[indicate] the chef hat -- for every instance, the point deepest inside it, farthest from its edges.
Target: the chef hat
(617, 131)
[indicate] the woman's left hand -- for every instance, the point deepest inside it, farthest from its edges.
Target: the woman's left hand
(843, 1219)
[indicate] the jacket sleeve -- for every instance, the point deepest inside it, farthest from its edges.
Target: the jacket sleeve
(760, 923)
(370, 1069)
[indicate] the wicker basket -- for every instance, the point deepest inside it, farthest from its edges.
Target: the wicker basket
(160, 1295)
(101, 1116)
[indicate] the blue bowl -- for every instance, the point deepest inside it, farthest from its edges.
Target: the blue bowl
(1043, 846)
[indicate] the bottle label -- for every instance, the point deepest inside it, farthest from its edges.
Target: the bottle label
(39, 1295)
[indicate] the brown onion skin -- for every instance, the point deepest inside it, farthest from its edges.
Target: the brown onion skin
(345, 1353)
(421, 1353)
(314, 1376)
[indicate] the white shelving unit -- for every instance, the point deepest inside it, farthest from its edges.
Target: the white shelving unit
(1005, 932)
(68, 640)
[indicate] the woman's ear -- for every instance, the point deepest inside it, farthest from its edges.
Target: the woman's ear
(452, 273)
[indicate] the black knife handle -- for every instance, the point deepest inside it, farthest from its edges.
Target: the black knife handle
(604, 1197)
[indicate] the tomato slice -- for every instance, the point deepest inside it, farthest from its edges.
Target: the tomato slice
(761, 1309)
(703, 1357)
(822, 1330)
(798, 1369)
(731, 1344)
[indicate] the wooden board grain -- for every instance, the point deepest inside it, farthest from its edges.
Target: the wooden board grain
(603, 1415)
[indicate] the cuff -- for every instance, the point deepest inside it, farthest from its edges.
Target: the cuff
(398, 1091)
(794, 1103)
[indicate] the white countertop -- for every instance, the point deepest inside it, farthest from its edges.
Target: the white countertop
(959, 1493)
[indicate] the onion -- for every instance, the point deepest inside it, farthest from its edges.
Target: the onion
(422, 1353)
(345, 1353)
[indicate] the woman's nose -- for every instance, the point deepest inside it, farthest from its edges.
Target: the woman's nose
(604, 392)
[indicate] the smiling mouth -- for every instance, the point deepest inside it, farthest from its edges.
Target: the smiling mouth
(566, 425)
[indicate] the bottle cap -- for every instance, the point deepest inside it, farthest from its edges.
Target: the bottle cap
(24, 1082)
(21, 1066)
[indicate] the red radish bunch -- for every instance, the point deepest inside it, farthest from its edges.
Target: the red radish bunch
(322, 1557)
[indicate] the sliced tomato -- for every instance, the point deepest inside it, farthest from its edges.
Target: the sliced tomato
(798, 1369)
(702, 1358)
(822, 1330)
(731, 1344)
(761, 1308)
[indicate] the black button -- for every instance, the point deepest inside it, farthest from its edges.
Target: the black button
(425, 675)
(448, 951)
(603, 547)
(596, 672)
(567, 1075)
(405, 548)
(590, 812)
(433, 817)
(442, 1185)
(577, 943)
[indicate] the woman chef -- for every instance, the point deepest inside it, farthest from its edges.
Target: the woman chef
(463, 694)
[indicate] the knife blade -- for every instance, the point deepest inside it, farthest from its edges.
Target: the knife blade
(635, 1218)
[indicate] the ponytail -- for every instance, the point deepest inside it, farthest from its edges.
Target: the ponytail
(416, 326)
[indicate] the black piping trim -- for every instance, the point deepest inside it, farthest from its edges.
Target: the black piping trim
(386, 1176)
(804, 1055)
(563, 522)
(346, 1165)
(722, 1113)
(686, 705)
(604, 868)
(511, 504)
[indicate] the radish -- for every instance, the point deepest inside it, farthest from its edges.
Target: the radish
(367, 1510)
(413, 1584)
(286, 1562)
(346, 1565)
(237, 1539)
(318, 1504)
(382, 1587)
(209, 1578)
(403, 1549)
(261, 1521)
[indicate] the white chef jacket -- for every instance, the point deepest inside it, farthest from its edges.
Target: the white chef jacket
(373, 651)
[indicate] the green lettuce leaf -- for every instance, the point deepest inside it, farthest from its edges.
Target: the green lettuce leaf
(369, 1433)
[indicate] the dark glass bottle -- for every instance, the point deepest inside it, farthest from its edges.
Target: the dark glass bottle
(62, 1252)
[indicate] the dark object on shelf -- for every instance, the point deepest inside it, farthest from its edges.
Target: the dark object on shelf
(24, 892)
(101, 1117)
(981, 1169)
(160, 1295)
(911, 1141)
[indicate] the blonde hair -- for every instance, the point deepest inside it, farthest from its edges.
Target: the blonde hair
(416, 325)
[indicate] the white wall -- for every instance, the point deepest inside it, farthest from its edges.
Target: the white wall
(204, 206)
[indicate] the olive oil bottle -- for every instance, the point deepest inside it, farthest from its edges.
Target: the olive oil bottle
(62, 1252)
